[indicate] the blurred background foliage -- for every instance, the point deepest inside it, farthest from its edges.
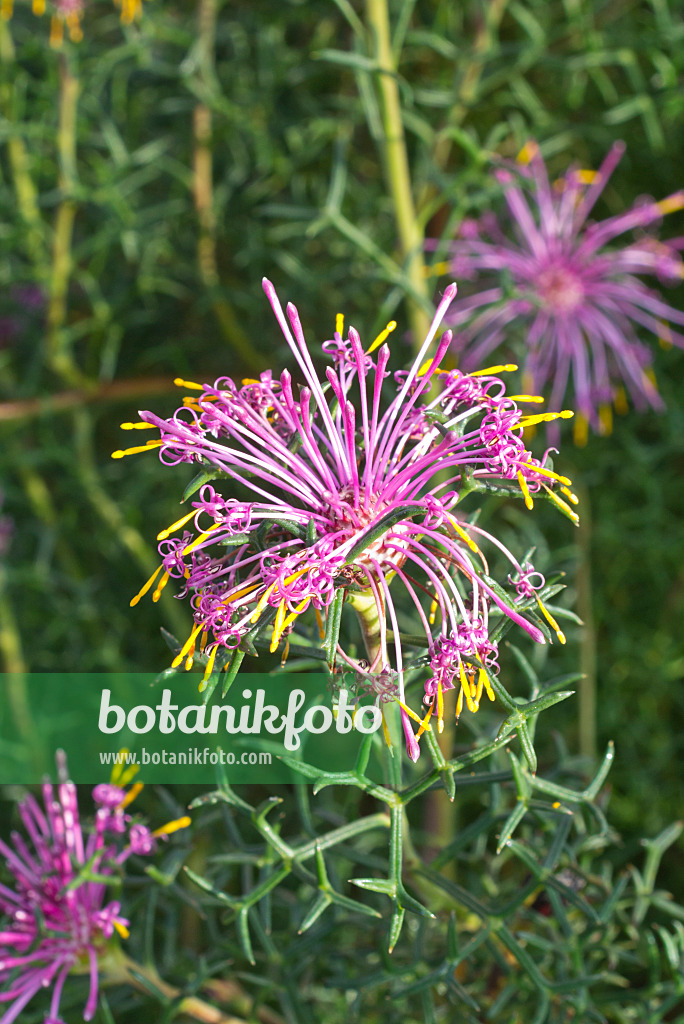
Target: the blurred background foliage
(151, 174)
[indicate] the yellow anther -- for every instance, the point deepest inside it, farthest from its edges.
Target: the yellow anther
(528, 152)
(504, 368)
(121, 928)
(132, 794)
(319, 623)
(433, 611)
(427, 366)
(201, 538)
(437, 269)
(339, 324)
(424, 723)
(73, 21)
(249, 380)
(581, 430)
(466, 691)
(38, 7)
(412, 714)
(286, 651)
(440, 708)
(138, 426)
(551, 621)
(569, 495)
(119, 454)
(543, 471)
(487, 685)
(385, 730)
(382, 337)
(160, 586)
(459, 704)
(278, 626)
(187, 646)
(526, 491)
(526, 398)
(6, 9)
(672, 203)
(209, 668)
(664, 335)
(620, 401)
(56, 32)
(130, 773)
(180, 383)
(562, 504)
(173, 826)
(586, 177)
(464, 536)
(606, 419)
(145, 587)
(176, 526)
(545, 417)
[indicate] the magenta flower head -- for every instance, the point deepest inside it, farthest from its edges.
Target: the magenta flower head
(58, 919)
(353, 481)
(576, 296)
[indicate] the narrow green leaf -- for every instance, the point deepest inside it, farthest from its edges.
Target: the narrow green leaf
(244, 936)
(384, 524)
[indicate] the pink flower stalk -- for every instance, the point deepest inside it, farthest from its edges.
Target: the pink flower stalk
(353, 494)
(576, 298)
(58, 919)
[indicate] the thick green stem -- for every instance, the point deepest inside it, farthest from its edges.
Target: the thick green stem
(369, 620)
(397, 169)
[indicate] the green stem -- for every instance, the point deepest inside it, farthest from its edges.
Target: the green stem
(397, 169)
(587, 685)
(369, 620)
(203, 188)
(59, 354)
(24, 187)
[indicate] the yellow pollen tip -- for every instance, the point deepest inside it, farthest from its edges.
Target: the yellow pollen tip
(176, 526)
(551, 621)
(569, 495)
(562, 504)
(131, 795)
(525, 490)
(672, 203)
(413, 715)
(581, 430)
(437, 269)
(173, 826)
(543, 471)
(382, 337)
(503, 368)
(146, 586)
(121, 928)
(527, 153)
(339, 323)
(586, 177)
(180, 383)
(620, 401)
(187, 646)
(121, 452)
(138, 426)
(160, 586)
(526, 398)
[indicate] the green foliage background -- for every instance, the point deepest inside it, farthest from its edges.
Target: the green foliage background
(153, 173)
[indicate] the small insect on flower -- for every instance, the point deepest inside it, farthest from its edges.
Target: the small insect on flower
(576, 298)
(354, 479)
(58, 920)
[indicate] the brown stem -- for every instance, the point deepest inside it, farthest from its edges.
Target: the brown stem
(63, 401)
(120, 969)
